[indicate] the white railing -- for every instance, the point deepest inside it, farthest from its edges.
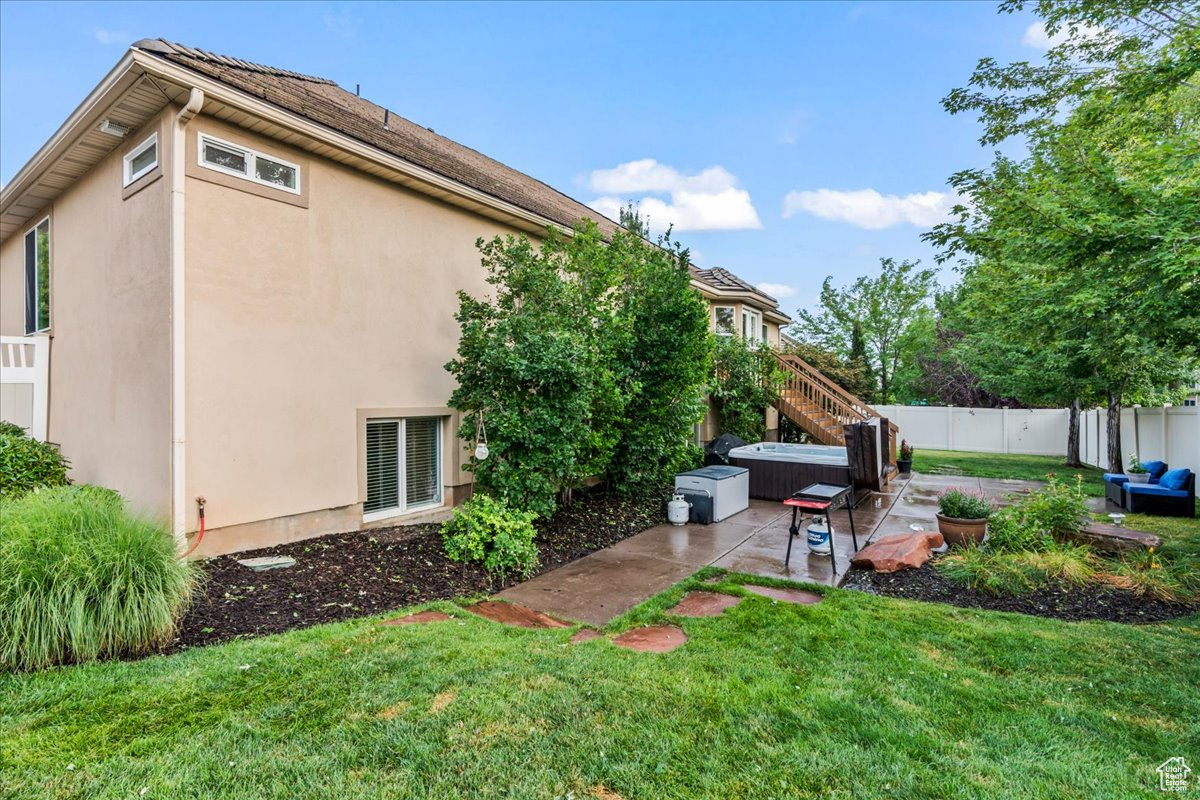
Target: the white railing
(25, 382)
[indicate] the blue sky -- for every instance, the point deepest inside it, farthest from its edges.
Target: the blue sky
(787, 141)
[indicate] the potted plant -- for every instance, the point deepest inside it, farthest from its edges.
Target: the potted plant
(1137, 473)
(963, 516)
(904, 462)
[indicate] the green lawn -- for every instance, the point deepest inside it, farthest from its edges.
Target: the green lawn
(859, 696)
(1006, 465)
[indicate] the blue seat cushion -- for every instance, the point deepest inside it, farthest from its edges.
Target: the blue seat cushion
(1155, 468)
(1116, 477)
(1153, 489)
(1175, 479)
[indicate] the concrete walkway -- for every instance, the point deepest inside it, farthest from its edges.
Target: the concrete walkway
(609, 582)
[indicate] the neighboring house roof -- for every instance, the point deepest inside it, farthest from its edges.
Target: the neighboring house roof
(323, 101)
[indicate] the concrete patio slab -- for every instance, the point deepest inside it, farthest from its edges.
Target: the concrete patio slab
(598, 587)
(697, 545)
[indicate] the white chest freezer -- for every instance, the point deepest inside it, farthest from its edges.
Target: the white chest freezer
(729, 488)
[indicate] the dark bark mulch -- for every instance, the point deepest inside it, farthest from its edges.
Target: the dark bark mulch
(357, 574)
(1059, 601)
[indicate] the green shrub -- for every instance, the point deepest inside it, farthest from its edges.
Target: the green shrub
(1055, 510)
(746, 380)
(963, 504)
(484, 529)
(10, 428)
(27, 464)
(81, 579)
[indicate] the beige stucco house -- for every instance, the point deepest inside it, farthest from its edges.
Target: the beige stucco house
(247, 278)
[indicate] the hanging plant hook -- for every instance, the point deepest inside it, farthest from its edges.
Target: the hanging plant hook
(481, 446)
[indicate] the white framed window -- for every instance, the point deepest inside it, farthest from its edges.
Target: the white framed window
(724, 325)
(243, 162)
(404, 466)
(752, 325)
(37, 278)
(141, 159)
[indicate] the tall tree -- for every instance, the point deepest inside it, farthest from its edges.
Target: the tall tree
(880, 308)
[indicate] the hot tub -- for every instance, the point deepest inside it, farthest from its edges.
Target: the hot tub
(778, 469)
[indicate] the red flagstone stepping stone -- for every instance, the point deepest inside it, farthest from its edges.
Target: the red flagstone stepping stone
(654, 639)
(901, 551)
(419, 617)
(704, 604)
(513, 614)
(785, 595)
(586, 635)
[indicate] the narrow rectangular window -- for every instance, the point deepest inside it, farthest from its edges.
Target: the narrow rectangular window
(37, 278)
(751, 324)
(246, 163)
(141, 159)
(403, 465)
(724, 324)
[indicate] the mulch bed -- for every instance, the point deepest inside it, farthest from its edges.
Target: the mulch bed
(357, 574)
(1058, 601)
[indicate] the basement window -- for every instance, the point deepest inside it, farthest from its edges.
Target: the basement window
(141, 159)
(37, 278)
(234, 159)
(404, 466)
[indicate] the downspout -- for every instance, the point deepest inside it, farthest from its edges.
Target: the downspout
(179, 504)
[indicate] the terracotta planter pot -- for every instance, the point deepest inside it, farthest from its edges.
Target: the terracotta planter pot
(962, 532)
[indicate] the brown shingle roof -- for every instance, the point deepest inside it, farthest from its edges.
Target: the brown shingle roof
(326, 103)
(724, 279)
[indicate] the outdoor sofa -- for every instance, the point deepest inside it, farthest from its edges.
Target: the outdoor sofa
(1114, 482)
(1173, 496)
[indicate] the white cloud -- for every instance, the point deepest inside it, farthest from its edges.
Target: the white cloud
(779, 291)
(706, 201)
(340, 25)
(112, 37)
(1036, 35)
(867, 208)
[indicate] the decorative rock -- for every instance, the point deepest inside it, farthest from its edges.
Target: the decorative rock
(901, 551)
(1115, 539)
(513, 614)
(785, 595)
(419, 617)
(704, 604)
(654, 639)
(586, 635)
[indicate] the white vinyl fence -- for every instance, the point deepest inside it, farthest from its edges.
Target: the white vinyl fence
(1169, 434)
(25, 382)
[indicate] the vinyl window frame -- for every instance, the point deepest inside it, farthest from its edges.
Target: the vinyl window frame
(31, 325)
(251, 155)
(752, 324)
(128, 175)
(403, 506)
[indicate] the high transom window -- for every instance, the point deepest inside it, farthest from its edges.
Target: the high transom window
(234, 159)
(141, 159)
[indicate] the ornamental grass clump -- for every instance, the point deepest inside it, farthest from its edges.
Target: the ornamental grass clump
(82, 579)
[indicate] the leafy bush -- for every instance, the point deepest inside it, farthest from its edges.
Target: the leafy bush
(27, 464)
(485, 529)
(10, 428)
(81, 579)
(964, 504)
(746, 380)
(1057, 509)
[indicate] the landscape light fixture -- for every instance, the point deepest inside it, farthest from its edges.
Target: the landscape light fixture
(114, 128)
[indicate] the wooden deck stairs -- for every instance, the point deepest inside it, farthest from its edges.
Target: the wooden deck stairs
(821, 408)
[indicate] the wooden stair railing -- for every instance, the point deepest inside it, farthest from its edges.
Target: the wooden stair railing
(821, 407)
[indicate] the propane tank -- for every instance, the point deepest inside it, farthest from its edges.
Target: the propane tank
(677, 509)
(818, 536)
